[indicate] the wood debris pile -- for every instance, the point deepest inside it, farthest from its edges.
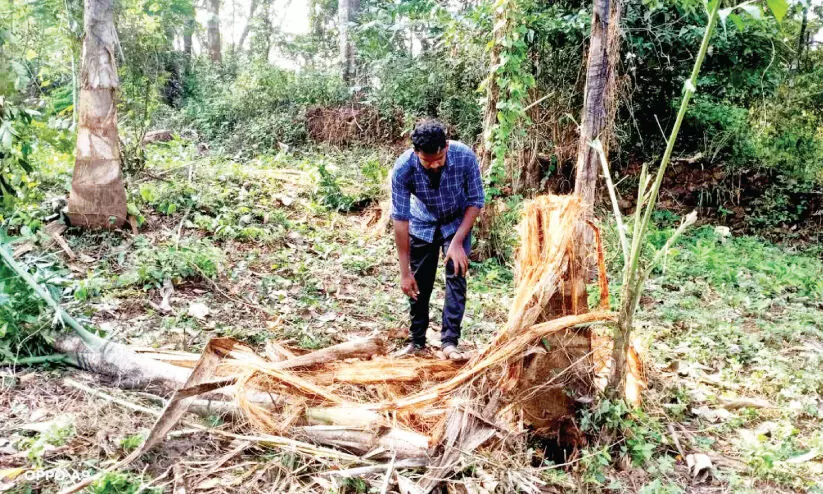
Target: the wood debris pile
(355, 398)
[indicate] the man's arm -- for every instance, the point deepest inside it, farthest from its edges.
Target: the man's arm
(456, 252)
(401, 212)
(403, 240)
(475, 200)
(471, 214)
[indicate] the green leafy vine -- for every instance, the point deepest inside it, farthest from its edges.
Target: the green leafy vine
(510, 74)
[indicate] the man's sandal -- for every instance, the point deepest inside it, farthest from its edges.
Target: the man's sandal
(450, 352)
(411, 350)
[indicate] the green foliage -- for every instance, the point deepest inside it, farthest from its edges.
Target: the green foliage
(151, 74)
(354, 485)
(498, 230)
(212, 202)
(658, 486)
(782, 135)
(132, 442)
(120, 483)
(593, 464)
(743, 68)
(15, 119)
(328, 192)
(168, 199)
(151, 265)
(511, 81)
(57, 434)
(23, 324)
(36, 41)
(746, 265)
(342, 187)
(747, 310)
(726, 130)
(89, 288)
(786, 201)
(613, 418)
(441, 79)
(788, 128)
(259, 107)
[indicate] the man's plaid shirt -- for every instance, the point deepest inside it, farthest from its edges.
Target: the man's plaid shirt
(427, 208)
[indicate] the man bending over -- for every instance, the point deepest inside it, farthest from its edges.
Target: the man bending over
(437, 194)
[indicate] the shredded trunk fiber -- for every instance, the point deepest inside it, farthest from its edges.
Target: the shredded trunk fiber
(414, 408)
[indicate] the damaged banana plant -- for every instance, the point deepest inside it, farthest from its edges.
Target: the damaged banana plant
(635, 273)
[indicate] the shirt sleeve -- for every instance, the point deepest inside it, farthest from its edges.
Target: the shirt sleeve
(474, 184)
(400, 192)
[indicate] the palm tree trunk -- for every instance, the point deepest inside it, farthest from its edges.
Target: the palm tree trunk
(598, 104)
(98, 198)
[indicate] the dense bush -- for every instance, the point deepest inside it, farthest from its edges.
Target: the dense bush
(725, 128)
(426, 87)
(257, 107)
(788, 128)
(152, 265)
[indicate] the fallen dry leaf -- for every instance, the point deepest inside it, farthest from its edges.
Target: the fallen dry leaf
(199, 310)
(700, 466)
(811, 455)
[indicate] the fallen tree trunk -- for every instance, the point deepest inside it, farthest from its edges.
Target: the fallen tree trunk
(381, 444)
(131, 371)
(91, 352)
(127, 368)
(362, 347)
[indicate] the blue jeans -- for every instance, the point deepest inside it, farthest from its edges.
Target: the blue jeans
(424, 260)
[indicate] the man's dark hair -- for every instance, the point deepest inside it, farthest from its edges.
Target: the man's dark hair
(429, 136)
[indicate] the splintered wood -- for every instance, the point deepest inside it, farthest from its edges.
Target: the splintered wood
(371, 404)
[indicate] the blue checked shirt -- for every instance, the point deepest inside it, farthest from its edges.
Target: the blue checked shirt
(427, 208)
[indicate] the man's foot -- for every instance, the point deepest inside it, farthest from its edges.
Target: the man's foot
(450, 352)
(411, 349)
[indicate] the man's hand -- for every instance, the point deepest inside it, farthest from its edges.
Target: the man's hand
(458, 256)
(409, 286)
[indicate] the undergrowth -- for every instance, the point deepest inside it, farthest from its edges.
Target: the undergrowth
(723, 317)
(24, 325)
(191, 259)
(729, 317)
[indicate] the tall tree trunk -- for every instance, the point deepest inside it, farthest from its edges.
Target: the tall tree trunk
(801, 40)
(346, 12)
(213, 28)
(598, 103)
(492, 97)
(188, 33)
(98, 198)
(316, 19)
(246, 29)
(268, 29)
